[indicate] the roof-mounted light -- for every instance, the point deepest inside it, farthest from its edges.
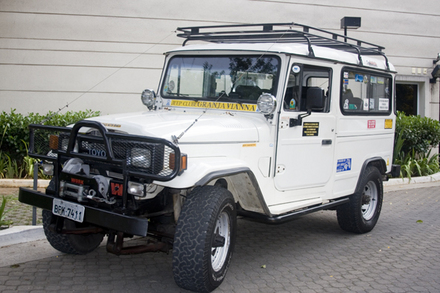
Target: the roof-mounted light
(148, 98)
(266, 103)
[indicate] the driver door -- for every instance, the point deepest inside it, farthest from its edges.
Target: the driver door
(305, 151)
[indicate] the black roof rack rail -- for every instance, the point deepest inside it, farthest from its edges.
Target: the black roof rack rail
(280, 33)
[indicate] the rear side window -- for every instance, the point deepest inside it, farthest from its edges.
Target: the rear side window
(365, 93)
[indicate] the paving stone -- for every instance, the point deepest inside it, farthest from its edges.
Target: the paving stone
(310, 254)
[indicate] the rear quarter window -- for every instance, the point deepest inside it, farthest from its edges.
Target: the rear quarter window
(365, 93)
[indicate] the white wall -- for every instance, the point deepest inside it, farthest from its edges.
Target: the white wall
(100, 55)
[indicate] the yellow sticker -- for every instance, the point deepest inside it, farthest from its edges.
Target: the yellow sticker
(246, 145)
(215, 105)
(112, 125)
(388, 123)
(310, 128)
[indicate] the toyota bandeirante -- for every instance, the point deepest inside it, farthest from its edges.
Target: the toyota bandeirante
(265, 121)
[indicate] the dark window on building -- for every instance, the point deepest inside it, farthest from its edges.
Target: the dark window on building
(406, 98)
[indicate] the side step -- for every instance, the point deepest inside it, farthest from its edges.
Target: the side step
(291, 215)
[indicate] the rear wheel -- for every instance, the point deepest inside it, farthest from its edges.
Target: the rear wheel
(362, 212)
(204, 239)
(69, 243)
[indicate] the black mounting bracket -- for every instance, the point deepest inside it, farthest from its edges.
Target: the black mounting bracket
(298, 121)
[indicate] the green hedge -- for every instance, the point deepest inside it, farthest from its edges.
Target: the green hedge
(14, 131)
(415, 138)
(419, 133)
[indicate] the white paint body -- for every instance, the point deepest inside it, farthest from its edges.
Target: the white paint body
(291, 171)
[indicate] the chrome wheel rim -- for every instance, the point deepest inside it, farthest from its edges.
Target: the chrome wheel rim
(220, 253)
(369, 200)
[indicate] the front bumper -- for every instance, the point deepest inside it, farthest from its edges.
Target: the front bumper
(102, 218)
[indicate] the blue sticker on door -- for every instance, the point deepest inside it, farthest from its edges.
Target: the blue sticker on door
(343, 165)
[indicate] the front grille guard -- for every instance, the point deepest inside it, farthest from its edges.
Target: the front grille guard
(144, 157)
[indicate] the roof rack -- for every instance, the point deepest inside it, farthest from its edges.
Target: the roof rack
(284, 33)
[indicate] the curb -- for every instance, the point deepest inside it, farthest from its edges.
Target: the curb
(21, 234)
(12, 183)
(405, 181)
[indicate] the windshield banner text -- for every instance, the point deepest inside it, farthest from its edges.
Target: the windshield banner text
(213, 105)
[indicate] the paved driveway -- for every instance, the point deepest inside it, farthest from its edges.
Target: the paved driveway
(311, 254)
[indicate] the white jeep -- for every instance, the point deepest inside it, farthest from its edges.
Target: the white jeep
(265, 121)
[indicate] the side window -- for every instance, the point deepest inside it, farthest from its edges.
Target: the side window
(301, 79)
(365, 93)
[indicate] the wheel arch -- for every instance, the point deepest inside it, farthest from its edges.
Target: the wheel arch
(377, 162)
(243, 185)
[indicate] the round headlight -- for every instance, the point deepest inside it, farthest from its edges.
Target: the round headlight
(266, 103)
(148, 98)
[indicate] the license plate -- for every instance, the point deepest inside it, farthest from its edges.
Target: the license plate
(71, 211)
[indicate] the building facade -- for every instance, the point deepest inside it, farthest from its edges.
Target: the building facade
(100, 55)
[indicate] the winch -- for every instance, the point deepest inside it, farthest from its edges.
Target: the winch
(77, 182)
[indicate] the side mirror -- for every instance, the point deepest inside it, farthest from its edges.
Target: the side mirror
(315, 99)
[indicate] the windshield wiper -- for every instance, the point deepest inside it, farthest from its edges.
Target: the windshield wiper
(185, 96)
(177, 95)
(224, 97)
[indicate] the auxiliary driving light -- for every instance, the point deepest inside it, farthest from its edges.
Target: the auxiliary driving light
(266, 103)
(148, 98)
(137, 189)
(48, 169)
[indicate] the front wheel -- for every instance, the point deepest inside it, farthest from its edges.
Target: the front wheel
(204, 239)
(69, 243)
(361, 213)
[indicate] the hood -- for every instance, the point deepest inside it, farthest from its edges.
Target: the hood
(211, 127)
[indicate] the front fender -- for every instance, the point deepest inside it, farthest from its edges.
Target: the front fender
(241, 181)
(201, 171)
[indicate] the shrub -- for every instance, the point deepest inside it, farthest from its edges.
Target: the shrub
(3, 212)
(415, 138)
(423, 166)
(2, 165)
(14, 128)
(14, 137)
(419, 133)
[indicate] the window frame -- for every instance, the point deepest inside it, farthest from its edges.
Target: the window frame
(369, 73)
(228, 99)
(303, 84)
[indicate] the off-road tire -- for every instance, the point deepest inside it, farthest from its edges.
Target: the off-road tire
(69, 243)
(362, 212)
(197, 265)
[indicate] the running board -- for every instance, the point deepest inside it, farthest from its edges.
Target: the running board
(276, 219)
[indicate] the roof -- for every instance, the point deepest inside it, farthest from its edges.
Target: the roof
(286, 38)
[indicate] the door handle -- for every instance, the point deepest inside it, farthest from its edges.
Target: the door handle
(326, 142)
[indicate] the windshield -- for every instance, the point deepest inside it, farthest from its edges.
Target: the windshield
(237, 78)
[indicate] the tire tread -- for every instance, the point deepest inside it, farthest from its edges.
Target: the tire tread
(191, 239)
(350, 216)
(70, 244)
